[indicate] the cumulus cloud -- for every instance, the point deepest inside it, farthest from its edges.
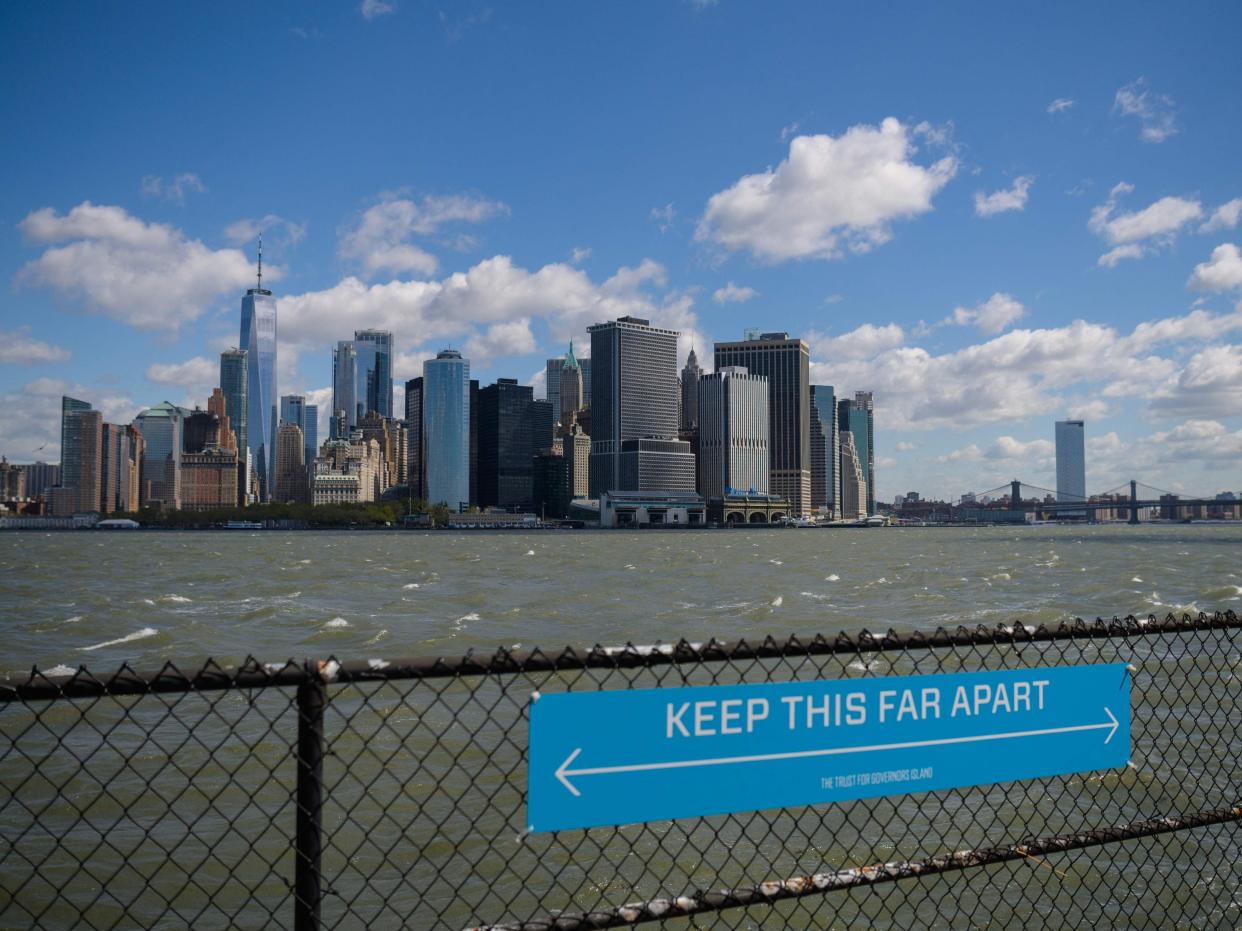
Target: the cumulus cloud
(1012, 198)
(994, 315)
(247, 229)
(1224, 217)
(663, 217)
(1155, 112)
(30, 416)
(1060, 105)
(832, 195)
(1140, 232)
(1022, 373)
(1221, 272)
(511, 338)
(379, 241)
(733, 294)
(149, 275)
(197, 373)
(370, 9)
(174, 189)
(579, 254)
(18, 346)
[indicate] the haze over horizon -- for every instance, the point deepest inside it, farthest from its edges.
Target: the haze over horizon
(991, 222)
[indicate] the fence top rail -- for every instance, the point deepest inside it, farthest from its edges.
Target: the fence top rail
(253, 674)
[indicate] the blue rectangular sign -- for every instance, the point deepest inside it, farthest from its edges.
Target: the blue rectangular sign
(599, 758)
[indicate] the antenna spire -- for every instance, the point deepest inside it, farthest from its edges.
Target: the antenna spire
(260, 262)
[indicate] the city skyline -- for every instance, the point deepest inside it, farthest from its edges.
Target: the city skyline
(1065, 247)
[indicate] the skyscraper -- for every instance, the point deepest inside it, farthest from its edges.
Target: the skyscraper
(865, 405)
(291, 479)
(690, 376)
(160, 479)
(552, 385)
(374, 391)
(344, 389)
(787, 365)
(81, 430)
(216, 404)
(414, 421)
(825, 451)
(1071, 461)
(446, 429)
(258, 339)
(571, 400)
(634, 397)
(733, 433)
(234, 373)
(310, 431)
(506, 444)
(853, 479)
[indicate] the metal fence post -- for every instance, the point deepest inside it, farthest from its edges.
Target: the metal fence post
(307, 891)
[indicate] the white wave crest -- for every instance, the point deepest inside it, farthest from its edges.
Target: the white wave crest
(136, 635)
(336, 622)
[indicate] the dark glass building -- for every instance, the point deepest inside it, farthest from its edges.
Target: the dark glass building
(506, 444)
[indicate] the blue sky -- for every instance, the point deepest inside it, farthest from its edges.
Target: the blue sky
(991, 218)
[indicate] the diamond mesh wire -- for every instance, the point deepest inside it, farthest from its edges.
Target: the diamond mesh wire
(168, 800)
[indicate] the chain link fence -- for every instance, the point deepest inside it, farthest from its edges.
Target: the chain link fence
(393, 794)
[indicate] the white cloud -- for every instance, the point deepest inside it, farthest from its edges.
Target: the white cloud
(174, 189)
(1091, 410)
(1006, 447)
(579, 254)
(370, 9)
(905, 446)
(1225, 216)
(1221, 272)
(30, 416)
(196, 373)
(1140, 232)
(1013, 198)
(17, 346)
(380, 240)
(861, 343)
(1060, 105)
(246, 230)
(831, 195)
(1154, 111)
(1208, 385)
(663, 217)
(148, 275)
(995, 314)
(733, 294)
(787, 131)
(834, 298)
(511, 338)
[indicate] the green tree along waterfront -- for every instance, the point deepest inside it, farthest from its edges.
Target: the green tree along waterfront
(323, 516)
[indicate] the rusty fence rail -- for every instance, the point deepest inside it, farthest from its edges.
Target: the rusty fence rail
(392, 793)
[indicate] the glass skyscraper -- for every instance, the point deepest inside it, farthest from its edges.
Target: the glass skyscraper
(506, 445)
(446, 429)
(1071, 461)
(362, 376)
(161, 428)
(825, 451)
(294, 410)
(258, 340)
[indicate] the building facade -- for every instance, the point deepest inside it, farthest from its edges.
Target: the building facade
(550, 483)
(234, 379)
(853, 480)
(1071, 460)
(576, 450)
(786, 363)
(657, 464)
(81, 430)
(633, 396)
(571, 393)
(446, 429)
(160, 478)
(292, 480)
(732, 408)
(864, 406)
(258, 340)
(414, 424)
(825, 452)
(506, 444)
(690, 375)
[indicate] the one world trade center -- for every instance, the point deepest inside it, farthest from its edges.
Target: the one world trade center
(258, 339)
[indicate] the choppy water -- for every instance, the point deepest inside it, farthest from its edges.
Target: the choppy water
(99, 599)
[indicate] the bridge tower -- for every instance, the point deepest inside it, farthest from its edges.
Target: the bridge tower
(1133, 502)
(1015, 495)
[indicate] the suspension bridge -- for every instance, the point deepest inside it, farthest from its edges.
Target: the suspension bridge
(1129, 499)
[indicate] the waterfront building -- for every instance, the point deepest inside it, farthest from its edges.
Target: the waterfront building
(571, 393)
(40, 478)
(414, 423)
(825, 451)
(576, 450)
(506, 444)
(732, 408)
(258, 340)
(160, 477)
(651, 508)
(1071, 461)
(864, 405)
(356, 457)
(446, 429)
(291, 479)
(786, 364)
(634, 397)
(551, 483)
(114, 449)
(332, 487)
(234, 374)
(853, 480)
(690, 376)
(81, 431)
(656, 464)
(208, 468)
(12, 481)
(375, 426)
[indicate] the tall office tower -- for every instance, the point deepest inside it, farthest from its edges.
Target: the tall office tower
(446, 429)
(733, 433)
(41, 477)
(81, 430)
(550, 484)
(825, 451)
(552, 385)
(375, 426)
(1071, 461)
(585, 366)
(414, 421)
(864, 403)
(199, 430)
(310, 431)
(131, 472)
(160, 479)
(234, 372)
(258, 339)
(217, 405)
(576, 448)
(374, 353)
(634, 397)
(474, 441)
(853, 480)
(542, 424)
(344, 388)
(571, 388)
(293, 410)
(114, 452)
(855, 419)
(401, 443)
(506, 444)
(690, 376)
(291, 479)
(786, 363)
